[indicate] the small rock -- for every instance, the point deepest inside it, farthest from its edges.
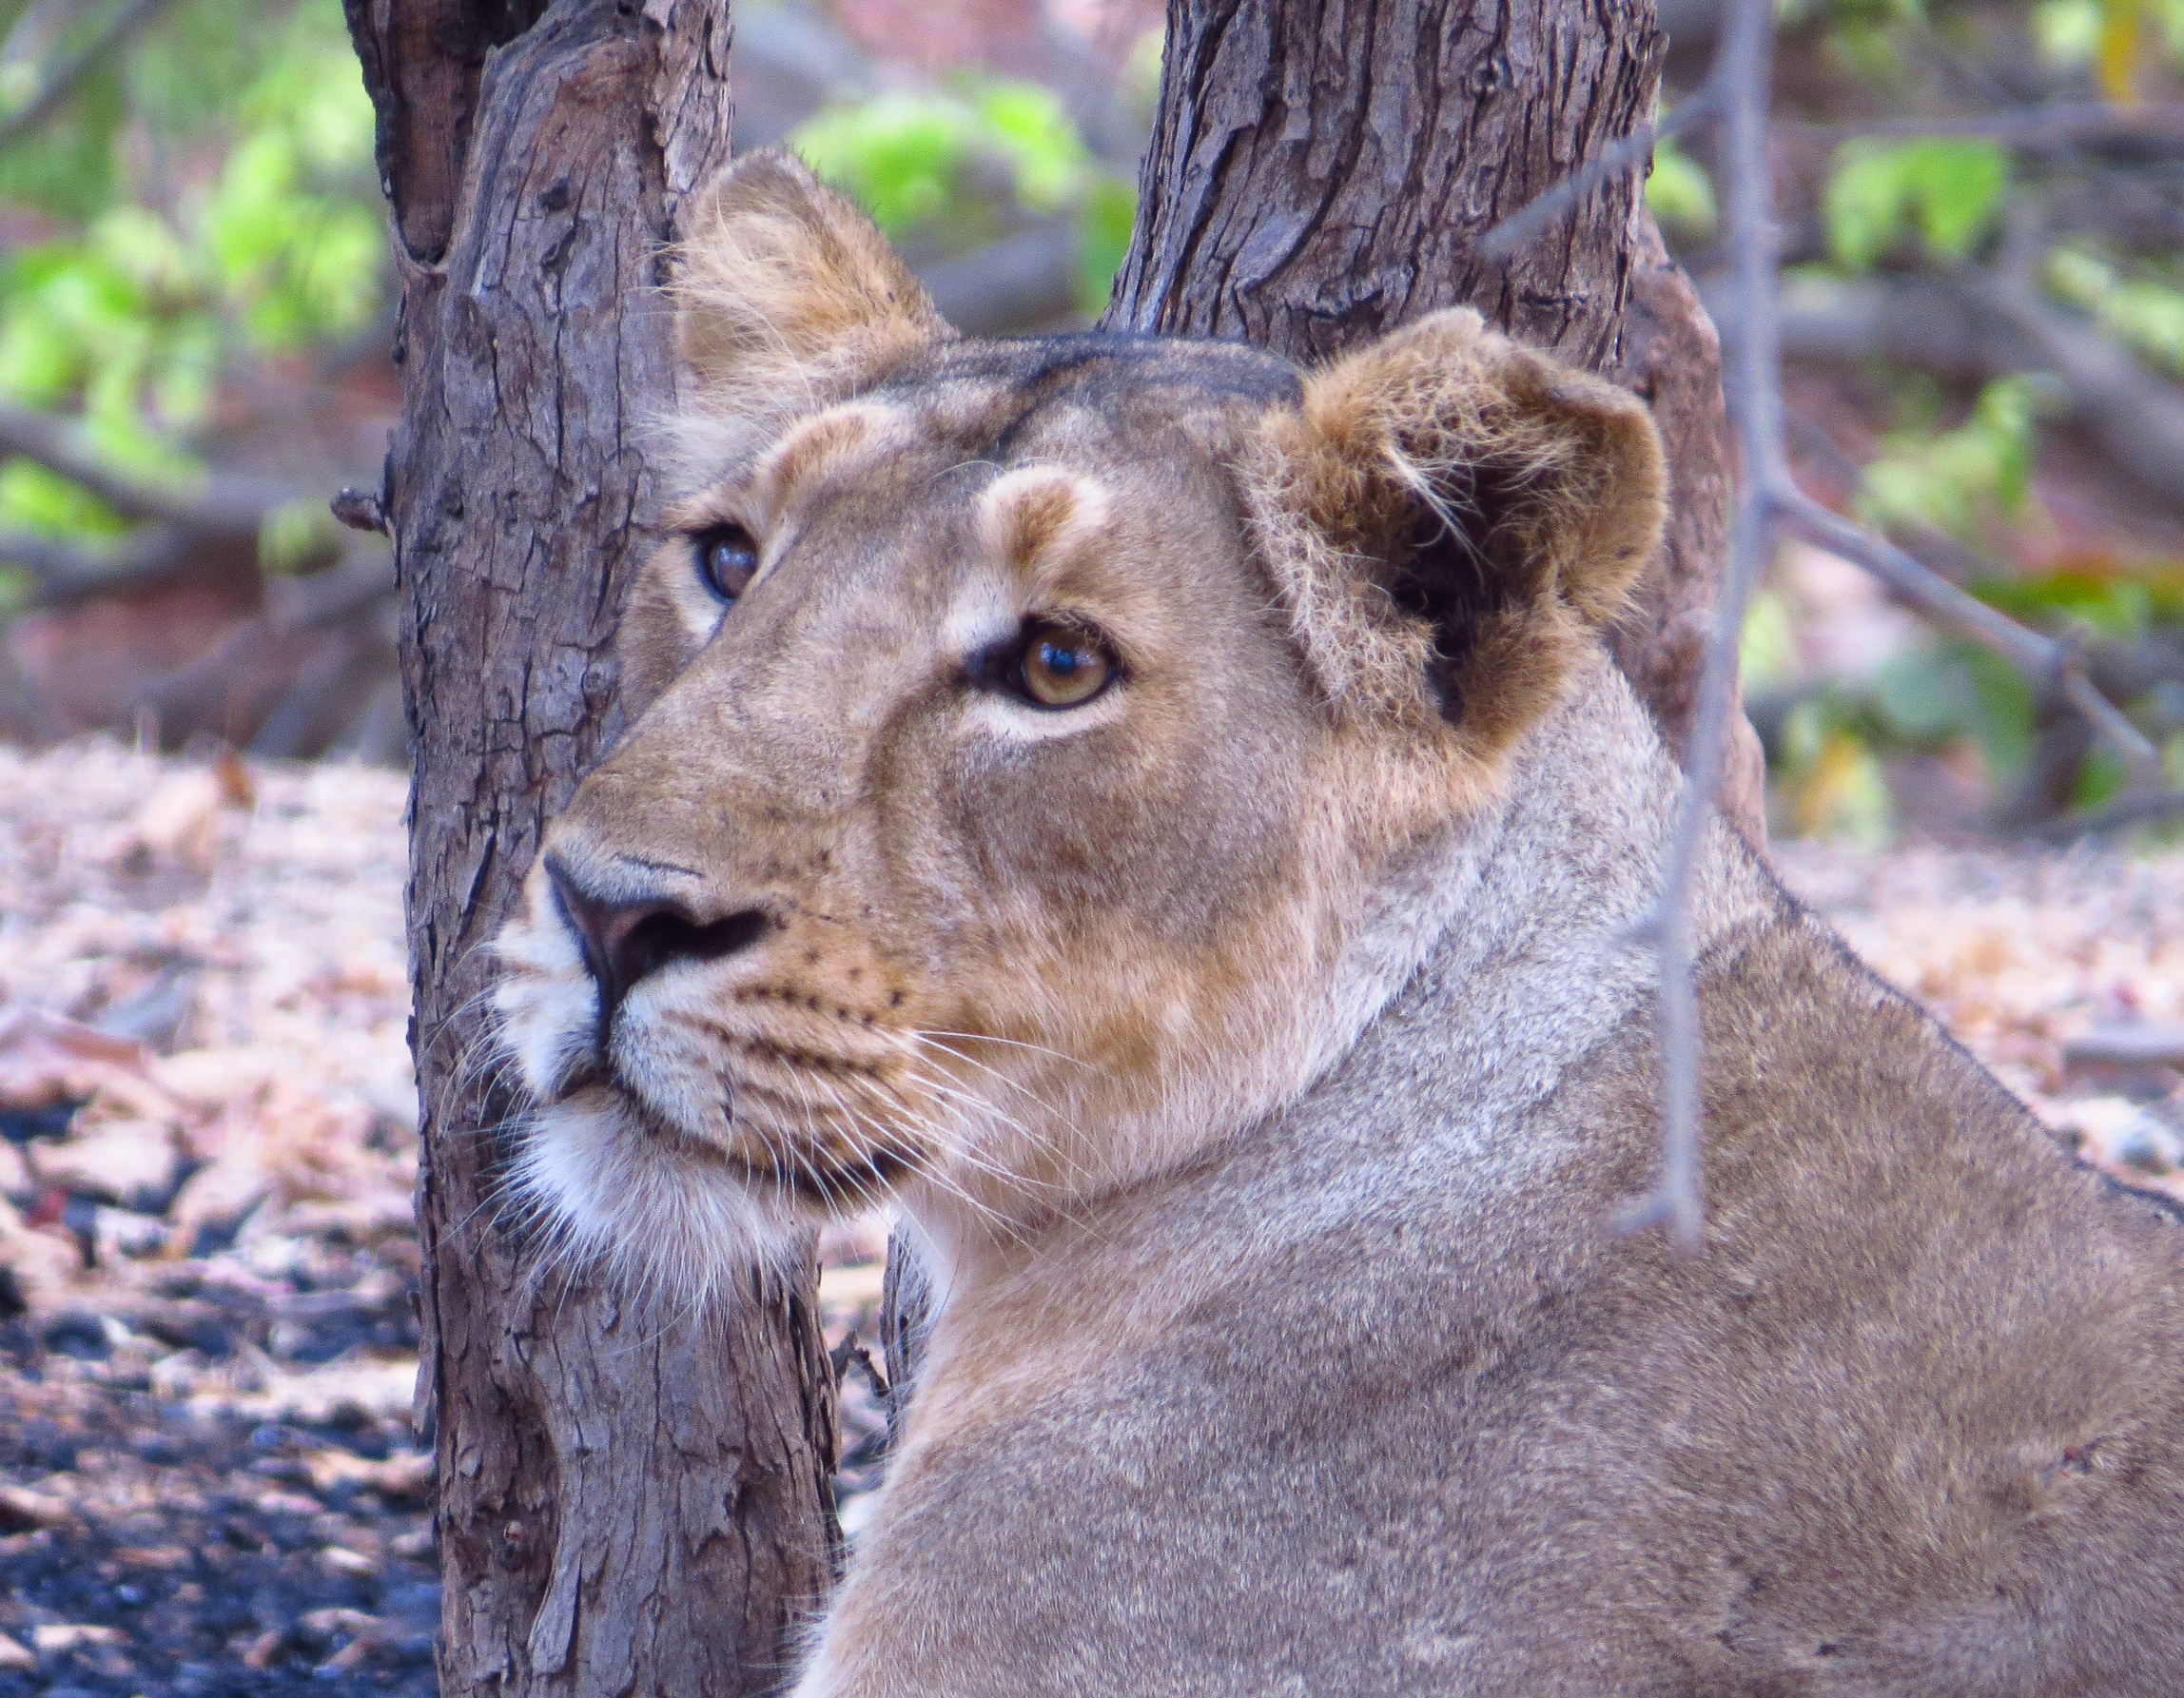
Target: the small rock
(15, 1655)
(77, 1333)
(129, 1163)
(23, 1510)
(2132, 1043)
(55, 1637)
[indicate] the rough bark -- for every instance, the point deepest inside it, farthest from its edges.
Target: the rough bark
(1320, 172)
(631, 1502)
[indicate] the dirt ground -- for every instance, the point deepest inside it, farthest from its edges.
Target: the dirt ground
(209, 1483)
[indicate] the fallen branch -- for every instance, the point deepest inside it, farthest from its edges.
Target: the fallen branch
(2138, 809)
(63, 573)
(225, 502)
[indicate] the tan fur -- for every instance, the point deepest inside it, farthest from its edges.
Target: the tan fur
(1262, 1048)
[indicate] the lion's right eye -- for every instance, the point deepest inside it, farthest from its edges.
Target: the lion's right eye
(727, 556)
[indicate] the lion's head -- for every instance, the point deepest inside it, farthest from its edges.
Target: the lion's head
(1025, 737)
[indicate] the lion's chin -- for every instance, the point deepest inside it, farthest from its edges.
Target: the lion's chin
(662, 1214)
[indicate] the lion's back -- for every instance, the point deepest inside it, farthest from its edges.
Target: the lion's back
(1912, 1424)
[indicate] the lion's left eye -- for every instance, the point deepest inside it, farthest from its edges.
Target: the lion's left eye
(727, 556)
(1059, 668)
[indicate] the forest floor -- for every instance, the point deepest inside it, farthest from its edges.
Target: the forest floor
(209, 1478)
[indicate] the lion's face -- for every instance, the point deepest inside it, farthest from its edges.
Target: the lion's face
(1010, 781)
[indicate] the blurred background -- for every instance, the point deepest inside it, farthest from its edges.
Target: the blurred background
(210, 1481)
(1983, 314)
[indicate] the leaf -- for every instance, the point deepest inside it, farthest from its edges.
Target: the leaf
(1766, 648)
(1026, 122)
(1104, 224)
(1957, 689)
(2121, 50)
(1678, 191)
(1946, 189)
(1843, 794)
(1961, 482)
(899, 153)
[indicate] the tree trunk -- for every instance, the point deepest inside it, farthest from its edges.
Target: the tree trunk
(1322, 170)
(628, 1503)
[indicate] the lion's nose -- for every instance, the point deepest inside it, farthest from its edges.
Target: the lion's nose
(624, 939)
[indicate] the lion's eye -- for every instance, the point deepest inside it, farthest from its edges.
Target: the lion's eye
(727, 555)
(1059, 668)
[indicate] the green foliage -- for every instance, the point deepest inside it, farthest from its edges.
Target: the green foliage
(1954, 690)
(2110, 604)
(1678, 192)
(1828, 771)
(224, 212)
(899, 154)
(2081, 34)
(1766, 648)
(2142, 313)
(1110, 212)
(911, 158)
(1958, 482)
(1944, 190)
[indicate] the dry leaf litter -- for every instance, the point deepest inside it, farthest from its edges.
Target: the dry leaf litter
(208, 1480)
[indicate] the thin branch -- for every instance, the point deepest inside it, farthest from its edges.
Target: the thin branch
(1753, 381)
(1752, 386)
(62, 572)
(2026, 126)
(1633, 150)
(56, 88)
(2138, 809)
(293, 606)
(228, 503)
(1932, 594)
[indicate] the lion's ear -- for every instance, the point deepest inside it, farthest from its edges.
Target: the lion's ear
(1446, 516)
(788, 296)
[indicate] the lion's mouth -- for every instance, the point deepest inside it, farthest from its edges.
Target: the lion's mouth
(804, 1164)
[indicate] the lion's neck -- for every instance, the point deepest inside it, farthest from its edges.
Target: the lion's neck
(1504, 947)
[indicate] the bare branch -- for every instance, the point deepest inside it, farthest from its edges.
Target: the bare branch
(2025, 126)
(1752, 382)
(2124, 812)
(292, 606)
(1633, 150)
(1934, 596)
(56, 88)
(228, 503)
(62, 572)
(2136, 418)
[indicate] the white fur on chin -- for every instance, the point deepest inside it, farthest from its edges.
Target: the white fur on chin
(661, 1215)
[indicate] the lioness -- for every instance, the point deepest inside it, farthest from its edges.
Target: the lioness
(1166, 822)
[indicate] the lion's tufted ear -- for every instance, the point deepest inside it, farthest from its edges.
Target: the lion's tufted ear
(787, 298)
(1446, 514)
